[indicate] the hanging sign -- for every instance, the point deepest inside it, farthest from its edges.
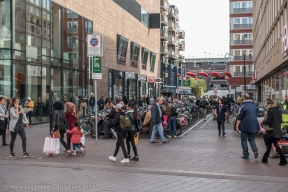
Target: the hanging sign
(150, 79)
(141, 77)
(96, 68)
(130, 75)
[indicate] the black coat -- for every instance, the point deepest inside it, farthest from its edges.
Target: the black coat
(274, 119)
(111, 114)
(155, 115)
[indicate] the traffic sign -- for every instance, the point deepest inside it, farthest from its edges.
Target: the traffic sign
(96, 68)
(95, 45)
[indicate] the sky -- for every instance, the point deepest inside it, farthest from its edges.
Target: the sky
(206, 26)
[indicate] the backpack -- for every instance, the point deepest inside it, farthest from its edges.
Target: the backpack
(125, 123)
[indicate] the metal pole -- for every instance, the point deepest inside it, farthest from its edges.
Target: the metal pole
(244, 74)
(96, 109)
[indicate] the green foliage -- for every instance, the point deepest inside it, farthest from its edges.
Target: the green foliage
(198, 87)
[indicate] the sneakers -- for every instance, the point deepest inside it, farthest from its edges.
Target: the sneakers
(82, 150)
(12, 155)
(135, 158)
(25, 155)
(73, 152)
(112, 158)
(224, 134)
(174, 136)
(169, 136)
(124, 160)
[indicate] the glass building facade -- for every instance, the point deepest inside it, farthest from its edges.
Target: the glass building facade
(43, 54)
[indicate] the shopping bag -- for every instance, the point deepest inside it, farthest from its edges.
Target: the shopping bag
(58, 146)
(165, 122)
(83, 139)
(51, 145)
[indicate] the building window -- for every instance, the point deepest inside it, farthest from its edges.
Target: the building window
(122, 49)
(145, 53)
(241, 23)
(72, 26)
(88, 27)
(135, 51)
(152, 61)
(72, 42)
(144, 17)
(110, 84)
(71, 14)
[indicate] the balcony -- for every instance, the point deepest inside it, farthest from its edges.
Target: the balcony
(164, 5)
(181, 34)
(172, 54)
(177, 29)
(242, 26)
(181, 45)
(243, 42)
(164, 20)
(241, 58)
(171, 27)
(242, 10)
(164, 49)
(171, 40)
(171, 13)
(181, 58)
(164, 34)
(241, 74)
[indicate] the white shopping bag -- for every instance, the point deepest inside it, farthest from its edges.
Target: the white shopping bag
(51, 145)
(83, 139)
(58, 146)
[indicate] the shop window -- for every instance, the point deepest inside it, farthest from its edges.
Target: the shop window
(145, 54)
(135, 51)
(122, 45)
(152, 61)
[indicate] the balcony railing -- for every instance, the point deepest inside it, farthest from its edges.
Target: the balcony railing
(243, 42)
(171, 26)
(171, 11)
(242, 10)
(241, 58)
(164, 34)
(242, 26)
(241, 74)
(164, 19)
(164, 49)
(181, 34)
(72, 30)
(164, 4)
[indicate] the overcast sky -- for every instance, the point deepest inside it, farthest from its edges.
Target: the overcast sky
(206, 24)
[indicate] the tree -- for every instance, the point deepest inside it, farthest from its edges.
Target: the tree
(198, 86)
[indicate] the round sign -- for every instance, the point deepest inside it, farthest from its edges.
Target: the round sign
(94, 42)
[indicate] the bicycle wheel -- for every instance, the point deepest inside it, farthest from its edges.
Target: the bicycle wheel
(178, 129)
(86, 126)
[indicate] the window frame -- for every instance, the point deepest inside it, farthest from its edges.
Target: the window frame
(144, 60)
(152, 64)
(134, 54)
(122, 47)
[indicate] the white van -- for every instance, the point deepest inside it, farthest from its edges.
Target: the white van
(220, 93)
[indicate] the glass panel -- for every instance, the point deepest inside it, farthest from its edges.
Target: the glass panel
(122, 51)
(19, 25)
(19, 80)
(144, 17)
(33, 43)
(56, 86)
(132, 89)
(56, 30)
(75, 97)
(5, 78)
(5, 29)
(67, 85)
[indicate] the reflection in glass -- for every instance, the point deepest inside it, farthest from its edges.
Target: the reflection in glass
(5, 78)
(19, 79)
(5, 27)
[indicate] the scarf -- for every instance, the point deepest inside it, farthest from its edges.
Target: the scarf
(71, 108)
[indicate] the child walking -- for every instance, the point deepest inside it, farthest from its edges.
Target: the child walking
(77, 133)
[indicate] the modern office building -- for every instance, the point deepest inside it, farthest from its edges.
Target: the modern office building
(172, 42)
(43, 49)
(270, 32)
(241, 40)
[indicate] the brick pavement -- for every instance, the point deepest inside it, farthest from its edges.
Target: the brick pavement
(200, 153)
(52, 179)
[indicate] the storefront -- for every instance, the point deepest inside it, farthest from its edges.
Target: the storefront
(43, 54)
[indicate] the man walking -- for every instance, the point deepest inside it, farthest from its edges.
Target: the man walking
(101, 103)
(248, 124)
(156, 118)
(203, 105)
(92, 103)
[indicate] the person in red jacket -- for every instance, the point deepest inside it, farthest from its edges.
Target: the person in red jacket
(76, 134)
(71, 116)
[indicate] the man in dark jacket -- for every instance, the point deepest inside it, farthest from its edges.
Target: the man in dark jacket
(248, 124)
(92, 103)
(204, 105)
(101, 103)
(109, 122)
(156, 119)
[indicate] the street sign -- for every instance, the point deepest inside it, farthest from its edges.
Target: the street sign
(94, 45)
(150, 79)
(158, 80)
(96, 67)
(141, 77)
(130, 75)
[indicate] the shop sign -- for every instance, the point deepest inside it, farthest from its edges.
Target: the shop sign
(186, 83)
(166, 74)
(180, 88)
(141, 77)
(96, 68)
(158, 80)
(95, 45)
(150, 79)
(130, 75)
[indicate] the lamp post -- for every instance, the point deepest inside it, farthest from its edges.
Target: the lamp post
(244, 73)
(235, 91)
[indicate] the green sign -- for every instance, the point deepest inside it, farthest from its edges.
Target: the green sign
(186, 83)
(96, 67)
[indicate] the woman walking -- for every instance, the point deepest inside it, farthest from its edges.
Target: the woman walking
(132, 112)
(220, 111)
(59, 122)
(120, 135)
(17, 119)
(71, 116)
(274, 120)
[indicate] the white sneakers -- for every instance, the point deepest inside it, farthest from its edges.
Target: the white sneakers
(125, 160)
(112, 158)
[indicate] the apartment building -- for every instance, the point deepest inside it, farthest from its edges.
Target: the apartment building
(241, 40)
(172, 43)
(43, 49)
(270, 31)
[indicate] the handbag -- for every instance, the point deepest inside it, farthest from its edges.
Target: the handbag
(136, 138)
(57, 132)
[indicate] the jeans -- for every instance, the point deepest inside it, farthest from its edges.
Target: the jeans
(19, 129)
(278, 149)
(172, 122)
(29, 115)
(221, 124)
(156, 128)
(92, 109)
(120, 143)
(3, 128)
(107, 126)
(76, 145)
(251, 138)
(204, 112)
(130, 139)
